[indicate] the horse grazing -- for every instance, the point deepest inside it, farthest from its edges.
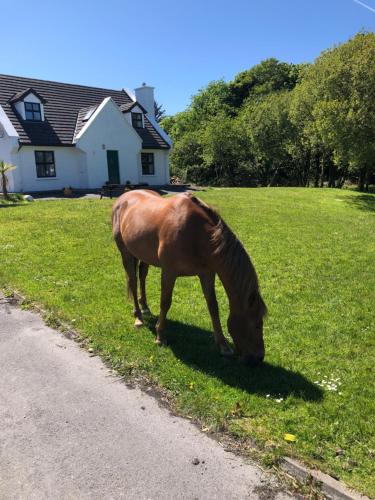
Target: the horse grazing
(185, 237)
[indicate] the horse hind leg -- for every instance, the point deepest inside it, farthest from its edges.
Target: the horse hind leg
(130, 264)
(143, 271)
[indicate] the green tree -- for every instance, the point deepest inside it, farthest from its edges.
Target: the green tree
(186, 155)
(338, 91)
(226, 151)
(267, 77)
(211, 101)
(270, 131)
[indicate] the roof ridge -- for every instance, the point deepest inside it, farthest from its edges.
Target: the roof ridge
(64, 83)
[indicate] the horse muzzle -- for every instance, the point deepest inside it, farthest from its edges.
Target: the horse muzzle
(251, 360)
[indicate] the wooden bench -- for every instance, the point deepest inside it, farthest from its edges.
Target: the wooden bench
(118, 189)
(111, 190)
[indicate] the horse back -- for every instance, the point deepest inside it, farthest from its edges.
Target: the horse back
(166, 232)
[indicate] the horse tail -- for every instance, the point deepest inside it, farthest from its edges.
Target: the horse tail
(116, 219)
(117, 213)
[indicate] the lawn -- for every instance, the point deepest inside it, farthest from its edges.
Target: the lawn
(314, 254)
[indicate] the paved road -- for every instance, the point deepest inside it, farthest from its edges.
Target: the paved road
(70, 430)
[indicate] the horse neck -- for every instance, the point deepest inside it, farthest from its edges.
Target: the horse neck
(238, 277)
(232, 291)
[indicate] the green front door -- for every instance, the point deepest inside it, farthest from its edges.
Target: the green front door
(113, 167)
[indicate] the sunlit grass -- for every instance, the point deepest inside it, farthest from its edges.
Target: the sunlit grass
(314, 254)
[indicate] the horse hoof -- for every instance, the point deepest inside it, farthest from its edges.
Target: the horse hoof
(160, 342)
(138, 323)
(226, 350)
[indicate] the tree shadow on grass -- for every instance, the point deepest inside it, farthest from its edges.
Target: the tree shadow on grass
(11, 205)
(195, 347)
(364, 202)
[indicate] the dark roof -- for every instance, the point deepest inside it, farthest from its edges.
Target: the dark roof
(81, 118)
(23, 93)
(65, 106)
(125, 108)
(149, 135)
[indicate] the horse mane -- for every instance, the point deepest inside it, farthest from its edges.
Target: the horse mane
(233, 255)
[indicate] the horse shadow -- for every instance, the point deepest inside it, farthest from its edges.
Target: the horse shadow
(195, 347)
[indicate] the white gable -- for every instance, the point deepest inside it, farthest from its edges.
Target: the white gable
(109, 111)
(107, 129)
(6, 125)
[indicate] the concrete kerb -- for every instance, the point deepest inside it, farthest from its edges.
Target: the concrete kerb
(331, 488)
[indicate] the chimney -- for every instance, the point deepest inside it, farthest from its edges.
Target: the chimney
(145, 96)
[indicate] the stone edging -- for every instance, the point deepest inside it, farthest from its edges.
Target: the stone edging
(329, 486)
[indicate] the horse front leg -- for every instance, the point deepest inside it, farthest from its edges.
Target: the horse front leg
(167, 284)
(208, 287)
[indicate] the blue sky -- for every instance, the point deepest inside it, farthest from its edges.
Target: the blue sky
(177, 46)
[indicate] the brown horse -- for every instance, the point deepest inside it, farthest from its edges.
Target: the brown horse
(185, 237)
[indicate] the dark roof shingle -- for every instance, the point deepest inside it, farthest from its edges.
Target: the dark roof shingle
(129, 106)
(63, 111)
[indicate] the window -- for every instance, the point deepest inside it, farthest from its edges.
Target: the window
(148, 167)
(137, 121)
(32, 111)
(45, 164)
(89, 114)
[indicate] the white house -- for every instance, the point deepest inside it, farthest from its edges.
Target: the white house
(61, 135)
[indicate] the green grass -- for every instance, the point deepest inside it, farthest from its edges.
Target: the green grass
(314, 254)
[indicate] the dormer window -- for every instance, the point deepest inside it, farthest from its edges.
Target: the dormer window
(137, 120)
(33, 112)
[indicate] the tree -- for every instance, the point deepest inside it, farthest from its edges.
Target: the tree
(226, 151)
(269, 130)
(186, 154)
(267, 77)
(4, 169)
(211, 101)
(338, 91)
(159, 111)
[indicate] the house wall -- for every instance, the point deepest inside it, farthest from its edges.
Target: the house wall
(69, 164)
(161, 168)
(108, 129)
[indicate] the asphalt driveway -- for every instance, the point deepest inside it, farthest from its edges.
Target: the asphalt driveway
(70, 429)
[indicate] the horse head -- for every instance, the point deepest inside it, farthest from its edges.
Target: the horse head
(245, 326)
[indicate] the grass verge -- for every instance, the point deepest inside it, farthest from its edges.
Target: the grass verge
(314, 253)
